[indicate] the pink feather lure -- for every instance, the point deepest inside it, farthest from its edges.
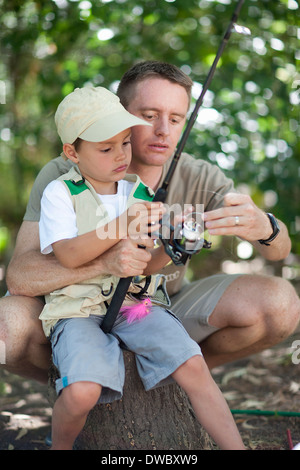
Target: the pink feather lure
(138, 311)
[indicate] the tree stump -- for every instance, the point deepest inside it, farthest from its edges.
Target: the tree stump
(161, 419)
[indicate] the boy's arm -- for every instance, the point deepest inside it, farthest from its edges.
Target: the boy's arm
(138, 221)
(159, 259)
(75, 252)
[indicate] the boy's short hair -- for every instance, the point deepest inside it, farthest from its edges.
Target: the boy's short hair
(143, 70)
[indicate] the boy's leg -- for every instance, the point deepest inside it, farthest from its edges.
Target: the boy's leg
(82, 352)
(208, 403)
(163, 348)
(70, 412)
(89, 362)
(160, 343)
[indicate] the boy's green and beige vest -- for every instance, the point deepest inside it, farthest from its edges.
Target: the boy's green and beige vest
(91, 297)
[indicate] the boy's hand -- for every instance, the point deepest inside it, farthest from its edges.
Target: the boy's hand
(143, 219)
(126, 258)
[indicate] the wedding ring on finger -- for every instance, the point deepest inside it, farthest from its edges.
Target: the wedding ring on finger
(237, 220)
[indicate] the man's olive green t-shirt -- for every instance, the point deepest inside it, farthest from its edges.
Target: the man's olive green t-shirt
(194, 182)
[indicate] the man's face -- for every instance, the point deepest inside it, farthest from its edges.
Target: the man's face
(164, 104)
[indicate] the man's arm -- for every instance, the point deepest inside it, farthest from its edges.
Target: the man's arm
(253, 224)
(32, 274)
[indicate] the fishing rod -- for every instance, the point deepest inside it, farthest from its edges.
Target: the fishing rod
(162, 192)
(179, 256)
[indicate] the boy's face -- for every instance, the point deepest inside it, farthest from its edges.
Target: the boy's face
(164, 104)
(104, 163)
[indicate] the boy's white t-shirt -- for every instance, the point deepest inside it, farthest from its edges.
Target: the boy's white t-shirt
(58, 218)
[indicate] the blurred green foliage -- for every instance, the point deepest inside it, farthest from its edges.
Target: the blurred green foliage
(248, 125)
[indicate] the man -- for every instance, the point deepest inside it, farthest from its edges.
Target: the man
(230, 316)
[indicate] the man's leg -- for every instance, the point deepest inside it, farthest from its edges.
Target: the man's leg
(25, 349)
(254, 313)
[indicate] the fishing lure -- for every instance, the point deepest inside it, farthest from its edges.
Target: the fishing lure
(138, 311)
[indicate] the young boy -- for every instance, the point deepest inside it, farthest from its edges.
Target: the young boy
(84, 213)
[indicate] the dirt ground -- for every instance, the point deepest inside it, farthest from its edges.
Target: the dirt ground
(266, 381)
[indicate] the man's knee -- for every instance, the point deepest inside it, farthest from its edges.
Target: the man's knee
(20, 325)
(284, 306)
(276, 306)
(269, 303)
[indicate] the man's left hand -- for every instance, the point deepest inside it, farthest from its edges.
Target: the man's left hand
(240, 217)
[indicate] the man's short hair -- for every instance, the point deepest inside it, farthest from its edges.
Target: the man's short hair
(143, 70)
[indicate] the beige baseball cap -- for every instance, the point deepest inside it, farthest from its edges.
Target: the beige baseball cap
(93, 114)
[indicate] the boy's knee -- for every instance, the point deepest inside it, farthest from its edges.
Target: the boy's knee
(192, 374)
(82, 396)
(191, 369)
(195, 365)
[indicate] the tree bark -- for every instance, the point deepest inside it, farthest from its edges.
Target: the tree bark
(161, 419)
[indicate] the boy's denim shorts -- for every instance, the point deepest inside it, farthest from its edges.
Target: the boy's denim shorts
(82, 352)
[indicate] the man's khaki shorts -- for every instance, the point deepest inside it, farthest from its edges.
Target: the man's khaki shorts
(196, 301)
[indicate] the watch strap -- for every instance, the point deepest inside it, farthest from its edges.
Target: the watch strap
(275, 228)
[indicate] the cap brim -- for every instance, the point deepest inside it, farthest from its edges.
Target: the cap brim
(112, 125)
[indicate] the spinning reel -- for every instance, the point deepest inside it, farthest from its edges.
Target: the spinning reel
(184, 240)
